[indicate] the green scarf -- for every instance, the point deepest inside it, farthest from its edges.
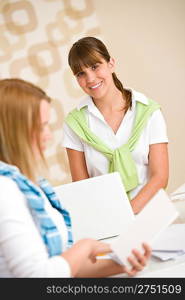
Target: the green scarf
(120, 159)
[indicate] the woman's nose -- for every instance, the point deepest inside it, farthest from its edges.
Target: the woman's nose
(90, 76)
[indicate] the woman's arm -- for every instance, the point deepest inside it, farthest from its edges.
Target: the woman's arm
(158, 176)
(17, 230)
(77, 164)
(22, 249)
(82, 260)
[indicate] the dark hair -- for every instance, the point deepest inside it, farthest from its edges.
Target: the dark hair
(87, 52)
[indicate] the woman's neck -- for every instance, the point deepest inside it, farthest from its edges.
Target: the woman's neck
(112, 102)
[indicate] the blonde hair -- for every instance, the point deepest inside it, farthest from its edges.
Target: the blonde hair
(87, 52)
(19, 121)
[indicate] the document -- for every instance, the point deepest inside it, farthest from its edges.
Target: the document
(165, 255)
(156, 216)
(171, 243)
(179, 194)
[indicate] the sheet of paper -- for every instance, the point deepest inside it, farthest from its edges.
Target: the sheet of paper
(148, 224)
(171, 239)
(179, 194)
(167, 255)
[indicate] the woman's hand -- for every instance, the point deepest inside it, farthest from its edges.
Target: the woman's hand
(98, 249)
(82, 258)
(83, 250)
(138, 260)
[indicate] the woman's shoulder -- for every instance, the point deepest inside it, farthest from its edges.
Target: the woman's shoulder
(85, 102)
(138, 96)
(8, 187)
(7, 182)
(12, 199)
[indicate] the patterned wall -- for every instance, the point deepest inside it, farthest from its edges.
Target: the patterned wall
(35, 37)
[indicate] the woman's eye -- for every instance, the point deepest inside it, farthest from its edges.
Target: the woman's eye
(79, 74)
(94, 67)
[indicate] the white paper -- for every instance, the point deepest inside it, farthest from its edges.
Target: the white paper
(179, 194)
(171, 239)
(99, 206)
(167, 255)
(158, 213)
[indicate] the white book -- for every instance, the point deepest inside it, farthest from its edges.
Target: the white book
(99, 206)
(158, 213)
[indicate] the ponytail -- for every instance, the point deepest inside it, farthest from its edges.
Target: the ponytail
(126, 93)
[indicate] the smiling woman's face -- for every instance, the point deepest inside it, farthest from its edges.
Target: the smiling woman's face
(96, 79)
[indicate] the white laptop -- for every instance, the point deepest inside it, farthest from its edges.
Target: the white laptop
(99, 206)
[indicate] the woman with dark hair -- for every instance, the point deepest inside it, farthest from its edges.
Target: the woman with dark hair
(114, 128)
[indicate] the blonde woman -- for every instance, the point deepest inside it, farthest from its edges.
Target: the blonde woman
(35, 230)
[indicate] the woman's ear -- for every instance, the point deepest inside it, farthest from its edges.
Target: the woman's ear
(112, 64)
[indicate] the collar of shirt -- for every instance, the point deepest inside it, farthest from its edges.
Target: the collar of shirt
(87, 101)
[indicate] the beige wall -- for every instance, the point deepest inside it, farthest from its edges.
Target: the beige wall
(147, 39)
(35, 37)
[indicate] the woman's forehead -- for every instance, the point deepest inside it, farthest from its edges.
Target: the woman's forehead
(86, 62)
